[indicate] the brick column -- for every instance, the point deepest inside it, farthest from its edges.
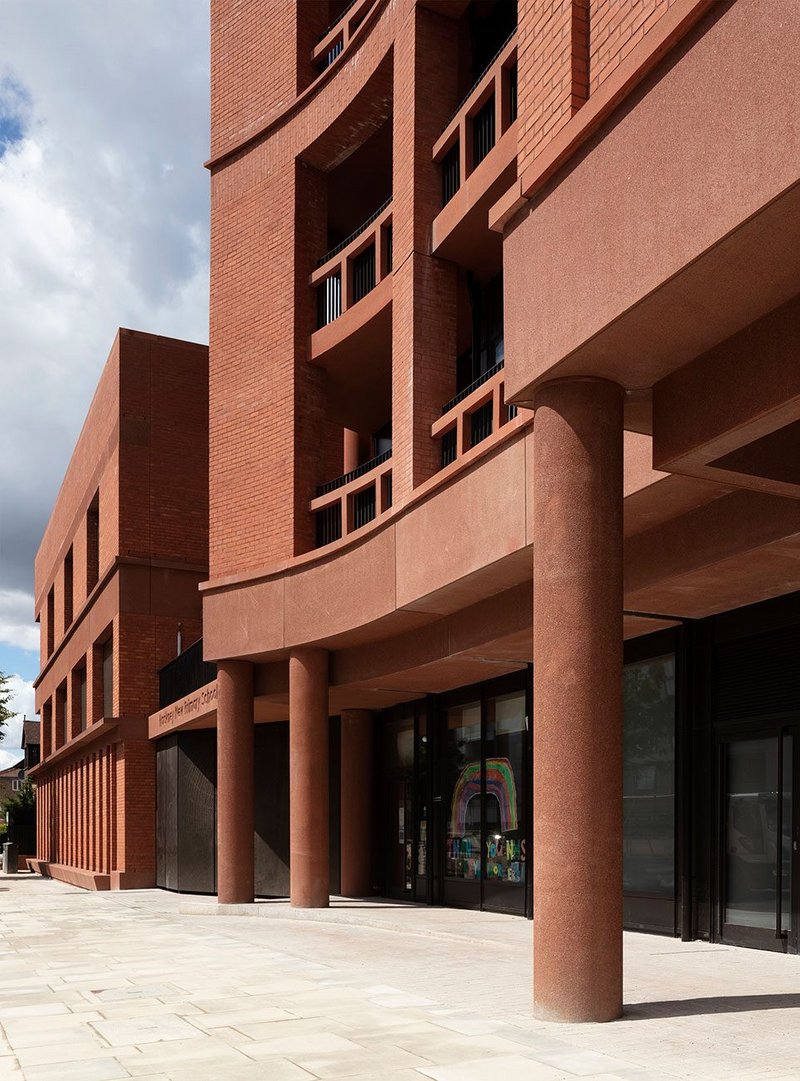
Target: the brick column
(357, 810)
(577, 696)
(309, 817)
(235, 815)
(423, 288)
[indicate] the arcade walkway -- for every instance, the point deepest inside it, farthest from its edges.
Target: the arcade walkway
(146, 984)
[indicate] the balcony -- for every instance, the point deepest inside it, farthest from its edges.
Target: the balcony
(473, 415)
(346, 273)
(353, 500)
(338, 35)
(185, 673)
(477, 152)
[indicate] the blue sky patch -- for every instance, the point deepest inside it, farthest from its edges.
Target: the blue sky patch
(15, 103)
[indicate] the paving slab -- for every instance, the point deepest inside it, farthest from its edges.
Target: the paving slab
(155, 986)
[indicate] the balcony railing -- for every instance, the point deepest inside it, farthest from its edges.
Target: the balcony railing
(353, 500)
(351, 270)
(473, 415)
(337, 37)
(185, 673)
(482, 118)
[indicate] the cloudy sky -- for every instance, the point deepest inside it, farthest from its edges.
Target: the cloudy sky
(103, 223)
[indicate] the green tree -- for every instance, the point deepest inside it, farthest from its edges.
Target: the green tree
(5, 696)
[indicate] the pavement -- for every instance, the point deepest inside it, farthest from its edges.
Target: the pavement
(152, 985)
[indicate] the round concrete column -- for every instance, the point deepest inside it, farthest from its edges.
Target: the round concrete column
(356, 803)
(577, 701)
(235, 866)
(309, 818)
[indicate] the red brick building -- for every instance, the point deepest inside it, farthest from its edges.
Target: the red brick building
(116, 585)
(504, 521)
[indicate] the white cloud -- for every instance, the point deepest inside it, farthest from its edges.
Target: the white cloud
(22, 703)
(17, 626)
(103, 219)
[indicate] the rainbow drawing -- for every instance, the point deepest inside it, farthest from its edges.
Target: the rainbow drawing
(499, 783)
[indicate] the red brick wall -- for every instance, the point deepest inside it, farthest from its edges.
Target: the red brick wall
(253, 65)
(566, 49)
(617, 26)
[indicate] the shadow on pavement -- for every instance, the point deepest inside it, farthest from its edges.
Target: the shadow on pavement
(691, 1007)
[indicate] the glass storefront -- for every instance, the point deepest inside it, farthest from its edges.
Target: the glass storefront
(649, 793)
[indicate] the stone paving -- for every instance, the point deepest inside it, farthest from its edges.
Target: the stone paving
(146, 984)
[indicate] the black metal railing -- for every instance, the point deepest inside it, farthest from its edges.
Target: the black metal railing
(480, 78)
(329, 300)
(186, 673)
(329, 524)
(354, 474)
(483, 132)
(363, 273)
(512, 94)
(462, 394)
(347, 240)
(335, 50)
(449, 447)
(364, 507)
(451, 174)
(480, 424)
(511, 411)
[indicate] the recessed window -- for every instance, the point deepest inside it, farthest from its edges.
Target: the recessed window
(108, 678)
(51, 619)
(93, 543)
(68, 597)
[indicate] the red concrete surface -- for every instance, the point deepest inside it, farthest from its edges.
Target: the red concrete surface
(309, 817)
(235, 781)
(577, 696)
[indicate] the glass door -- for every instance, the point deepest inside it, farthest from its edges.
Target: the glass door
(485, 797)
(758, 839)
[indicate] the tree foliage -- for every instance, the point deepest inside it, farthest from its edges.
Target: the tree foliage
(5, 697)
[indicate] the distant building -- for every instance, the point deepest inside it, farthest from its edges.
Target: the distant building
(11, 780)
(30, 744)
(116, 585)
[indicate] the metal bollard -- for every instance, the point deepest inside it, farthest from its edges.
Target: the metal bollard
(10, 855)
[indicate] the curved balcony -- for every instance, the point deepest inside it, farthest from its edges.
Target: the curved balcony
(353, 500)
(477, 152)
(475, 414)
(353, 283)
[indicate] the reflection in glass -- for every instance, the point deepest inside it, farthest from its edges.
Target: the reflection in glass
(752, 832)
(505, 762)
(463, 777)
(649, 777)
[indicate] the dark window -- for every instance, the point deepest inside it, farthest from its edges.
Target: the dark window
(483, 132)
(451, 173)
(480, 424)
(363, 273)
(93, 543)
(363, 506)
(80, 681)
(68, 599)
(449, 447)
(51, 619)
(512, 94)
(649, 778)
(61, 715)
(388, 240)
(329, 524)
(108, 678)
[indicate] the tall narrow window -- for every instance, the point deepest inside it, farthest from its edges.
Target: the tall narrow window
(61, 715)
(68, 588)
(108, 678)
(51, 620)
(79, 700)
(93, 543)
